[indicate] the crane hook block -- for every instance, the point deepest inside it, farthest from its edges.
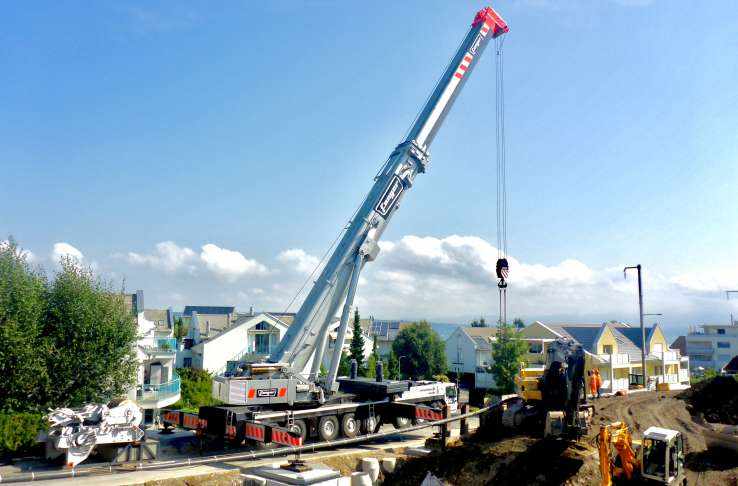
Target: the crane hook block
(503, 270)
(493, 20)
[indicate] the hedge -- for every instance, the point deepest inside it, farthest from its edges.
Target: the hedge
(18, 431)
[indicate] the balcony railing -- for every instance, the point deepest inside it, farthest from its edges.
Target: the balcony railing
(158, 391)
(162, 346)
(617, 359)
(670, 356)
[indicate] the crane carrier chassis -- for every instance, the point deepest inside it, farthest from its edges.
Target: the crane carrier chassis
(372, 404)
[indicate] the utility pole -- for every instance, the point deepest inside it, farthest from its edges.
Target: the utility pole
(727, 297)
(643, 329)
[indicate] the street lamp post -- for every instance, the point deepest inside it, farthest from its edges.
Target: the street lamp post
(643, 330)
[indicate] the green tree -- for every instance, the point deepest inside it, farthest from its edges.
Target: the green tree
(393, 367)
(518, 323)
(344, 365)
(479, 322)
(507, 357)
(22, 354)
(424, 351)
(195, 389)
(356, 349)
(90, 339)
(180, 329)
(371, 366)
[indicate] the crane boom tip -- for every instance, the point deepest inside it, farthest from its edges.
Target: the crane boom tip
(488, 16)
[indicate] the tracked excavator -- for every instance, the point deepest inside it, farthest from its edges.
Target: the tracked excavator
(554, 398)
(656, 459)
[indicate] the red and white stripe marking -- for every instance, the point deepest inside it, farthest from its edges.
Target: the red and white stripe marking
(426, 413)
(464, 65)
(284, 437)
(254, 431)
(461, 70)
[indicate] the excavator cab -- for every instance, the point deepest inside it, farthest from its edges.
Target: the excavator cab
(662, 456)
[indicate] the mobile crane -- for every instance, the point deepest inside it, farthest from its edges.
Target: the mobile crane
(286, 390)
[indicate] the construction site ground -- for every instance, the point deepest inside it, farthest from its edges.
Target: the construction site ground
(529, 460)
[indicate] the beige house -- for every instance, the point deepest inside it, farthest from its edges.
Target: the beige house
(615, 349)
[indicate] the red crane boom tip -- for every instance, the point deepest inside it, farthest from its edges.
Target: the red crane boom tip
(490, 17)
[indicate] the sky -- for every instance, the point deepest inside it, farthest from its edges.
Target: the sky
(209, 153)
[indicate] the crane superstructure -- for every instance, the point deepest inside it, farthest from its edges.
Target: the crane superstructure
(291, 374)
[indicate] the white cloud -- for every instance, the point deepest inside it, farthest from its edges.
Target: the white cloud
(229, 264)
(62, 250)
(168, 256)
(302, 261)
(27, 254)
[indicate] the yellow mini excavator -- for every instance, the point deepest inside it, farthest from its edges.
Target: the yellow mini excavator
(657, 459)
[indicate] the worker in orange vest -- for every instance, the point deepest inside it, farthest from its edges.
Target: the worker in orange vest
(598, 381)
(592, 383)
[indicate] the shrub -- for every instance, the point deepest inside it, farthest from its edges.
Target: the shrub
(196, 389)
(18, 431)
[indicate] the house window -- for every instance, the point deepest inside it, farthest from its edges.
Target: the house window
(187, 363)
(261, 343)
(607, 348)
(723, 344)
(721, 331)
(187, 343)
(535, 347)
(262, 326)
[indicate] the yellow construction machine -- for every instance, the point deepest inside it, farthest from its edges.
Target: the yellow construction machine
(656, 459)
(553, 397)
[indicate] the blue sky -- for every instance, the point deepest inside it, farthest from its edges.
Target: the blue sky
(257, 128)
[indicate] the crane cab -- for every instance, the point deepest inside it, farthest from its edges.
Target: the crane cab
(662, 456)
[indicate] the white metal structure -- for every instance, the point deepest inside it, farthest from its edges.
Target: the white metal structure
(78, 432)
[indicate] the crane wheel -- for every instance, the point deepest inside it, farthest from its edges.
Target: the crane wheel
(401, 422)
(300, 427)
(371, 425)
(349, 426)
(328, 427)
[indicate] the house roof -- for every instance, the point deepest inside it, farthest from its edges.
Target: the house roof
(732, 366)
(155, 314)
(680, 343)
(482, 343)
(208, 309)
(627, 337)
(480, 331)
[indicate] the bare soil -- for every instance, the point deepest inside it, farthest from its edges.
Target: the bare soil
(517, 460)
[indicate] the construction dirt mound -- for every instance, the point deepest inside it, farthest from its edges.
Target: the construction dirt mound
(715, 399)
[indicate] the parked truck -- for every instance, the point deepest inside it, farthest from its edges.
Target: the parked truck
(285, 399)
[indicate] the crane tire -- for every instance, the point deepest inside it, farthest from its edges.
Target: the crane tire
(328, 427)
(300, 427)
(349, 425)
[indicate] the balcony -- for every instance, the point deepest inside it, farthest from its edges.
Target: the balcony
(620, 359)
(670, 356)
(157, 395)
(163, 348)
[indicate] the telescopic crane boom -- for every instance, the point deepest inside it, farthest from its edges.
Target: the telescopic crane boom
(337, 282)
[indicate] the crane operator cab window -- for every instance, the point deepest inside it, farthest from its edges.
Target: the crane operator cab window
(654, 458)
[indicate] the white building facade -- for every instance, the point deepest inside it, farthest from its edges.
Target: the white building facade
(469, 354)
(712, 346)
(157, 383)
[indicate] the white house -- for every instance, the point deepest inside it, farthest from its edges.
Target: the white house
(469, 353)
(157, 385)
(712, 345)
(249, 338)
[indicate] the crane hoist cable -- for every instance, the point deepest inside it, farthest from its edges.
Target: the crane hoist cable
(502, 266)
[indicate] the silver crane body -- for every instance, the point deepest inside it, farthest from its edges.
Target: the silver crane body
(336, 285)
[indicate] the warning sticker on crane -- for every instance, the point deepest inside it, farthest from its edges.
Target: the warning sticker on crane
(390, 197)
